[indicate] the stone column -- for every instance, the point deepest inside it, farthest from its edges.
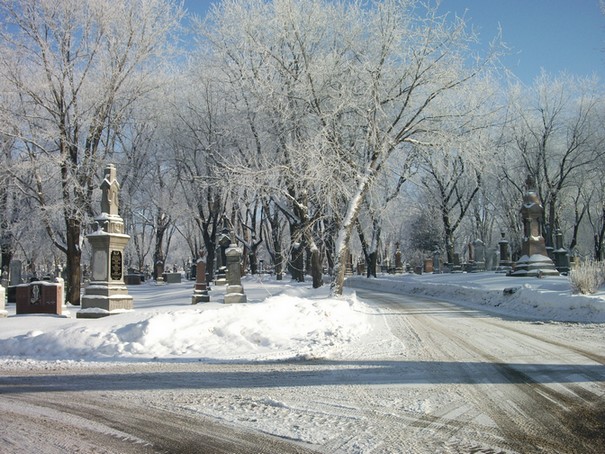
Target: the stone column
(234, 292)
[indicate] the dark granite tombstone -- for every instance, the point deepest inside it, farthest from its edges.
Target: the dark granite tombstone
(40, 297)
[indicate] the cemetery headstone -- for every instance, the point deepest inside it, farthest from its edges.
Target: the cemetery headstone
(107, 293)
(200, 292)
(158, 271)
(172, 278)
(14, 273)
(491, 259)
(457, 265)
(561, 254)
(436, 262)
(470, 263)
(234, 292)
(479, 251)
(398, 261)
(505, 264)
(39, 297)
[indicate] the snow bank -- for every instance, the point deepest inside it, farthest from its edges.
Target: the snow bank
(279, 328)
(281, 321)
(549, 298)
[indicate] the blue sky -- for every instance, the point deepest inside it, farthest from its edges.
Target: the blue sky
(556, 35)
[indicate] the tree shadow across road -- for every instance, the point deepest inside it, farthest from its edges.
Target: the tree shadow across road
(300, 374)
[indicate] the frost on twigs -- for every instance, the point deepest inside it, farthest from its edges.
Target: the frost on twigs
(587, 277)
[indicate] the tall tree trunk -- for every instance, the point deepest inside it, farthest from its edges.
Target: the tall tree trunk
(276, 239)
(449, 237)
(316, 271)
(74, 260)
(297, 260)
(159, 259)
(372, 264)
(346, 230)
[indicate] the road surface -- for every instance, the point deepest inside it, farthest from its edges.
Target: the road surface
(450, 379)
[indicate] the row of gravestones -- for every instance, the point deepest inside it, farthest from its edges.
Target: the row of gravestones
(107, 292)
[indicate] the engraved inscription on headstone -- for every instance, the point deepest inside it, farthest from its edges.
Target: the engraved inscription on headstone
(35, 294)
(116, 265)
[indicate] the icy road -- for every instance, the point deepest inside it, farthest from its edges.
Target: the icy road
(463, 381)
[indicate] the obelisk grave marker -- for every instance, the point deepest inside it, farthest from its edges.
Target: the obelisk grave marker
(107, 293)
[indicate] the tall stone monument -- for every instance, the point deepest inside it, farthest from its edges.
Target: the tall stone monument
(534, 259)
(107, 293)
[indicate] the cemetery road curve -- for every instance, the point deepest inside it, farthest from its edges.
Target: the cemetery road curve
(533, 391)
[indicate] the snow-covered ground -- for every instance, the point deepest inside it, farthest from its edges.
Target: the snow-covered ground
(283, 320)
(368, 372)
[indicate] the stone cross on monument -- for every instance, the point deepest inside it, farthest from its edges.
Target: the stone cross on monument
(110, 188)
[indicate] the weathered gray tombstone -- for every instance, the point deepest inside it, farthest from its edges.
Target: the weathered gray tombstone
(107, 293)
(479, 248)
(398, 262)
(436, 262)
(172, 278)
(534, 260)
(505, 264)
(457, 266)
(470, 263)
(561, 254)
(14, 274)
(234, 292)
(158, 271)
(200, 292)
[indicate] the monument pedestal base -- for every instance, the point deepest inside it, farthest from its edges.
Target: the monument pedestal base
(101, 300)
(235, 294)
(535, 266)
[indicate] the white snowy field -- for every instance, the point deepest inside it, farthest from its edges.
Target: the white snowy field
(282, 320)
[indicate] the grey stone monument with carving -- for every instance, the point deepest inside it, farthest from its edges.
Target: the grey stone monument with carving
(234, 293)
(534, 260)
(107, 293)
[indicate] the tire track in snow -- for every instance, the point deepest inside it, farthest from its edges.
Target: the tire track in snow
(527, 413)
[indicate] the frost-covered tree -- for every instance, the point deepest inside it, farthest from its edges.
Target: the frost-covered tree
(556, 137)
(337, 89)
(73, 67)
